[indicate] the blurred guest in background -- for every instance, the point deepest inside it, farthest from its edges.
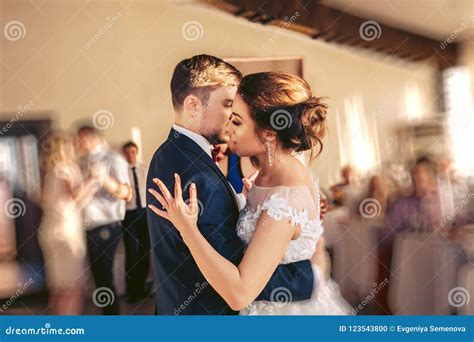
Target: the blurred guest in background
(379, 190)
(62, 237)
(106, 210)
(135, 230)
(422, 209)
(342, 192)
(454, 192)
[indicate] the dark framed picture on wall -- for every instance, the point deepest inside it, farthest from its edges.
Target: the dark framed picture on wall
(248, 65)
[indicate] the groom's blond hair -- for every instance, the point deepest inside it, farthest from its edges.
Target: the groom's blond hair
(200, 75)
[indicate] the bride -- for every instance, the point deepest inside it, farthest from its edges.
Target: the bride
(274, 116)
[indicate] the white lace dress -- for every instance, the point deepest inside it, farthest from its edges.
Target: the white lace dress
(300, 206)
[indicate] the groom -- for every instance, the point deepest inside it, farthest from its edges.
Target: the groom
(202, 91)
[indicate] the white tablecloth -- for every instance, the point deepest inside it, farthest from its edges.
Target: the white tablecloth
(424, 269)
(464, 301)
(332, 227)
(354, 241)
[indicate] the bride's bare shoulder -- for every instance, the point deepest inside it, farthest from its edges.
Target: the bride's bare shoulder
(293, 173)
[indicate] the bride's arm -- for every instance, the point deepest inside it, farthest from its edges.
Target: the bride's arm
(238, 285)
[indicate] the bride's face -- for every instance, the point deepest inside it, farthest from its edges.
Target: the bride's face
(242, 129)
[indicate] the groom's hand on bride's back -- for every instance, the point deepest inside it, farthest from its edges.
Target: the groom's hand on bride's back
(320, 257)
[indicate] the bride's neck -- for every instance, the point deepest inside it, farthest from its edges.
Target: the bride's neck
(279, 159)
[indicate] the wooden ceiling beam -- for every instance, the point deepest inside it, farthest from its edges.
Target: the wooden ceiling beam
(322, 22)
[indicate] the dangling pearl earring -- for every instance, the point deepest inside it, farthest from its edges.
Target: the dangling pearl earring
(269, 151)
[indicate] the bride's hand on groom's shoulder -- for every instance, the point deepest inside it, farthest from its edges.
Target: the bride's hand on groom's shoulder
(182, 215)
(248, 182)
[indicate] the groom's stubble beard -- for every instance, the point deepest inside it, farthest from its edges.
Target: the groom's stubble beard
(214, 136)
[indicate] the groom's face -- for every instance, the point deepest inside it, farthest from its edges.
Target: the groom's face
(216, 114)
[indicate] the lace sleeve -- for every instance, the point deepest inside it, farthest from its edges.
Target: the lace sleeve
(295, 204)
(278, 207)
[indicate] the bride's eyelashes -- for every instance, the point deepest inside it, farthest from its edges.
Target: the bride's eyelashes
(233, 120)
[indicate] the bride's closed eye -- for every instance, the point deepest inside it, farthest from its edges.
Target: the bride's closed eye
(234, 120)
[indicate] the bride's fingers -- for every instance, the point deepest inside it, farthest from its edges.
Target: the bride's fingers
(161, 199)
(159, 212)
(164, 189)
(178, 193)
(253, 176)
(193, 202)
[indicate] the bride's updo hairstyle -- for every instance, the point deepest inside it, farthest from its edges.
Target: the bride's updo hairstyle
(285, 104)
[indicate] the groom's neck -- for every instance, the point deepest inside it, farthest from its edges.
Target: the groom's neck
(189, 123)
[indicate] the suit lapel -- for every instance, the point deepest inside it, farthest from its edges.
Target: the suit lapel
(183, 142)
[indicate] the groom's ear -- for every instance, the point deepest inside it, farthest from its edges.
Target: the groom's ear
(192, 105)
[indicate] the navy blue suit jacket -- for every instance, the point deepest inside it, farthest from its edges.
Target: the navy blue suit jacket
(180, 286)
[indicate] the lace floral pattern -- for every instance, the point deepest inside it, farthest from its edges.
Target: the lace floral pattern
(279, 208)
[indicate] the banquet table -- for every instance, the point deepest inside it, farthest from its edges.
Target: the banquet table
(354, 243)
(425, 267)
(465, 302)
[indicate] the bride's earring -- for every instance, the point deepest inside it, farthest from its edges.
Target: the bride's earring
(269, 151)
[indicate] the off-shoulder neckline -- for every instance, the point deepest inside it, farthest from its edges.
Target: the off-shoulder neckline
(283, 186)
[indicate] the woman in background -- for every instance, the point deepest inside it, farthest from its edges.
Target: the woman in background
(62, 236)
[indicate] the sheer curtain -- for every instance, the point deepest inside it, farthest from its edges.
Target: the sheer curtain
(358, 136)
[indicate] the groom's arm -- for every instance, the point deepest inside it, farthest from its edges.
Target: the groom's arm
(291, 282)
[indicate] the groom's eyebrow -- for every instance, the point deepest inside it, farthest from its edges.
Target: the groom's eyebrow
(237, 114)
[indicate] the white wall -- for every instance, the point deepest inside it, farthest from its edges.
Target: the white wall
(127, 70)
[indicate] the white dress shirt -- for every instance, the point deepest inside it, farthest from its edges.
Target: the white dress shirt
(198, 139)
(104, 208)
(207, 147)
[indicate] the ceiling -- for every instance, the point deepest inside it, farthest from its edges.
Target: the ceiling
(436, 19)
